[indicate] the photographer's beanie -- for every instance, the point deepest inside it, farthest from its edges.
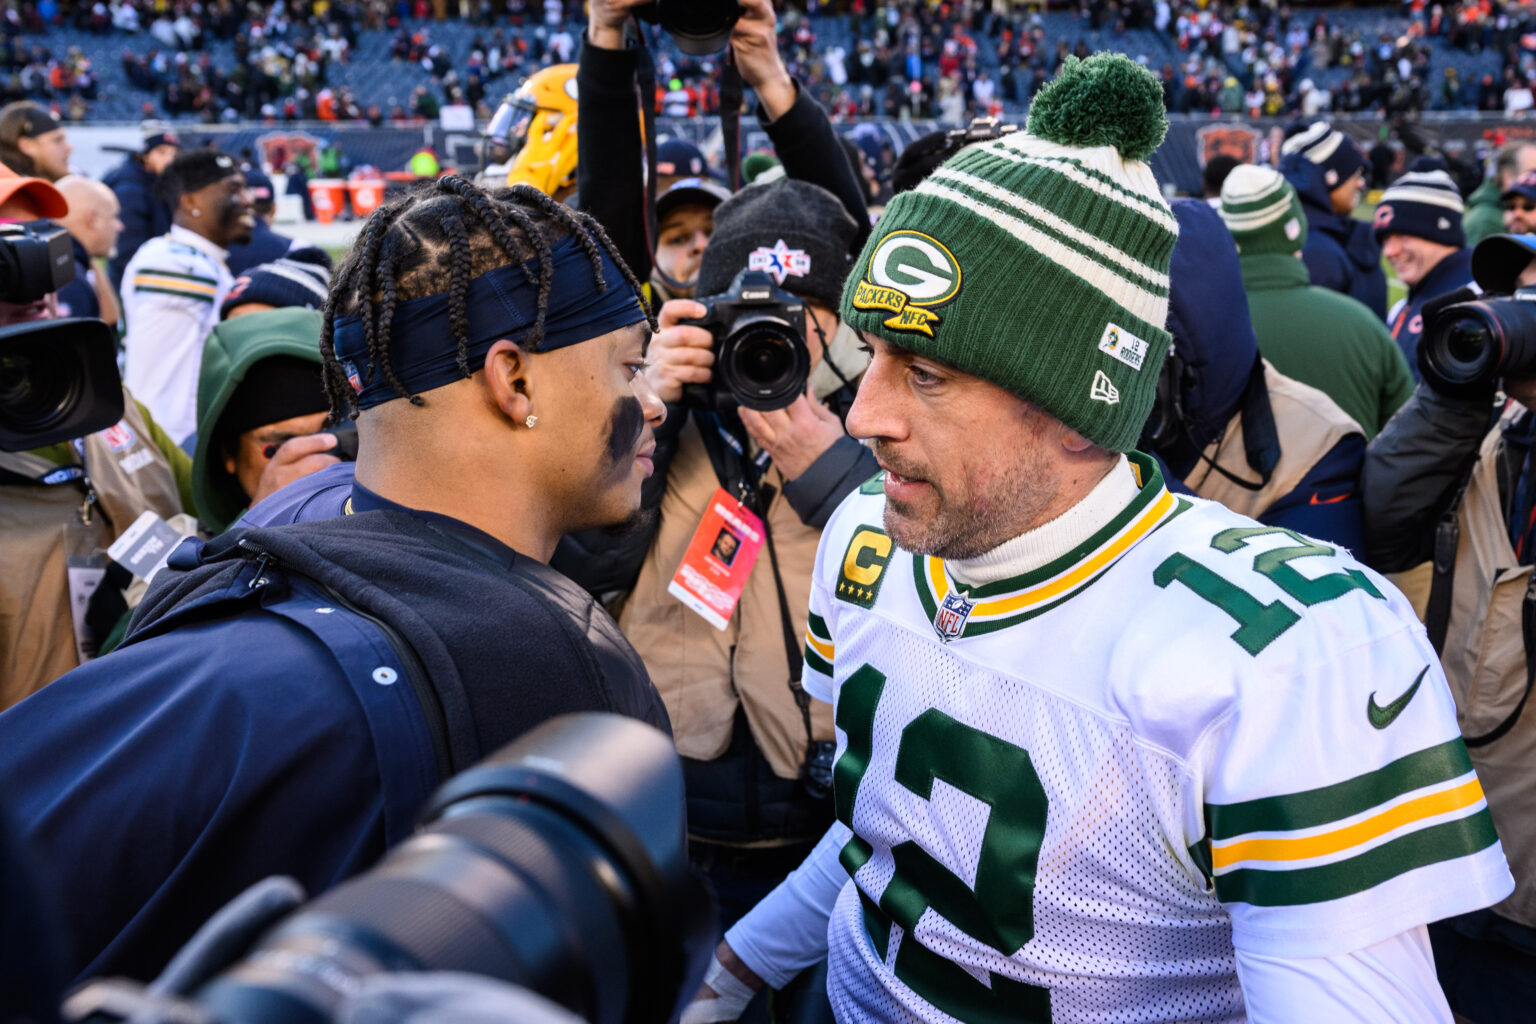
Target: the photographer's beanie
(1262, 211)
(1039, 261)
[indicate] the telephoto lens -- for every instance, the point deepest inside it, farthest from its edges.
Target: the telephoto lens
(1480, 341)
(698, 27)
(764, 361)
(559, 864)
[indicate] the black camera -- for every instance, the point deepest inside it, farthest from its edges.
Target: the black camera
(560, 863)
(761, 360)
(58, 378)
(1470, 343)
(698, 27)
(58, 381)
(36, 258)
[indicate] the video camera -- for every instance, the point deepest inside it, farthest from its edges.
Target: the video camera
(1466, 344)
(761, 360)
(560, 863)
(58, 378)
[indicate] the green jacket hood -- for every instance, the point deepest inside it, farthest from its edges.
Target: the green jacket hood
(230, 351)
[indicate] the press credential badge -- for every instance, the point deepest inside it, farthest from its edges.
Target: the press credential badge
(719, 559)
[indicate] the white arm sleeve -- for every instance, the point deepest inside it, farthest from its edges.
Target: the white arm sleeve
(1392, 982)
(787, 931)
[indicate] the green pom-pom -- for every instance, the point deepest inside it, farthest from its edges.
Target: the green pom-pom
(1105, 100)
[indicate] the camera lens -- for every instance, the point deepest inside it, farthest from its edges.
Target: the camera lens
(764, 362)
(34, 389)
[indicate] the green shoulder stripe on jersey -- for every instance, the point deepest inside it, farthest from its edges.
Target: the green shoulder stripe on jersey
(1328, 804)
(874, 485)
(818, 627)
(1444, 842)
(817, 662)
(199, 296)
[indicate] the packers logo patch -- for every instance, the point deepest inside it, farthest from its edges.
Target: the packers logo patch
(909, 275)
(869, 552)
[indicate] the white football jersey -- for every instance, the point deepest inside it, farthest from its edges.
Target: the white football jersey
(1074, 792)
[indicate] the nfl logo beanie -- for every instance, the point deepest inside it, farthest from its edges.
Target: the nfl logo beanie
(1423, 204)
(1262, 211)
(1329, 148)
(1039, 261)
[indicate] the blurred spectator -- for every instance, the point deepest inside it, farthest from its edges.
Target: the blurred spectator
(1211, 178)
(174, 285)
(258, 390)
(1312, 335)
(94, 227)
(1327, 170)
(1418, 222)
(1519, 205)
(33, 142)
(145, 215)
(1485, 206)
(685, 218)
(265, 245)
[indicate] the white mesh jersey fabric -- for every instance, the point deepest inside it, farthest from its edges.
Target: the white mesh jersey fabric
(1123, 927)
(1087, 742)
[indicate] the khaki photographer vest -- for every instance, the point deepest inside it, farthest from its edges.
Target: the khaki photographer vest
(130, 475)
(1484, 660)
(704, 673)
(1309, 424)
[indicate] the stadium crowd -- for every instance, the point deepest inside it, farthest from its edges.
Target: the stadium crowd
(523, 449)
(945, 60)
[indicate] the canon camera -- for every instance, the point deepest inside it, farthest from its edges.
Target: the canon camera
(761, 360)
(698, 27)
(1472, 344)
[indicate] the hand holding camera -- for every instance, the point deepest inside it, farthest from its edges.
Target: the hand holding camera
(796, 435)
(680, 353)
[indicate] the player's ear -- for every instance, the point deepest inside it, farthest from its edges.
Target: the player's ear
(1074, 442)
(506, 379)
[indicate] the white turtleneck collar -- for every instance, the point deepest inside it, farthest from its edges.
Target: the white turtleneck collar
(1044, 544)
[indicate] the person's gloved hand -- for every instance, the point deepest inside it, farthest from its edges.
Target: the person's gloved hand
(723, 997)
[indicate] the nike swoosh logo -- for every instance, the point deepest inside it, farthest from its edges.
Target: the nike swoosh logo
(1315, 500)
(1380, 716)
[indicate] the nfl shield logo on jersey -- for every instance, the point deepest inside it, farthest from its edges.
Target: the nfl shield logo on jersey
(950, 619)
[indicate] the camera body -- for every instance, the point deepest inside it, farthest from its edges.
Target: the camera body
(36, 258)
(761, 360)
(698, 27)
(1468, 345)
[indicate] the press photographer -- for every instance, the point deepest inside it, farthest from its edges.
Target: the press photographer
(757, 377)
(1450, 480)
(62, 505)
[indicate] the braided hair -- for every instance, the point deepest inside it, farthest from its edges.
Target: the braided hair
(436, 240)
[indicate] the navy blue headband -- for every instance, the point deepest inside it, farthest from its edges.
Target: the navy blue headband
(501, 303)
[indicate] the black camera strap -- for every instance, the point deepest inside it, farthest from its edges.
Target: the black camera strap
(645, 92)
(731, 90)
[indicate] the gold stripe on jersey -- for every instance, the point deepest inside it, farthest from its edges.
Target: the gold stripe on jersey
(1008, 602)
(1327, 843)
(174, 284)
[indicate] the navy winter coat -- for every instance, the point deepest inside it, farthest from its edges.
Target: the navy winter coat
(285, 704)
(1341, 253)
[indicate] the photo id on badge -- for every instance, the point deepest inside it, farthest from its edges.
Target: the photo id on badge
(719, 559)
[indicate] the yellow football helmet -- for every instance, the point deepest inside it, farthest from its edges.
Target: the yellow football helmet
(542, 130)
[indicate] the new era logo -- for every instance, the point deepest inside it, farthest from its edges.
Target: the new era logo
(1104, 389)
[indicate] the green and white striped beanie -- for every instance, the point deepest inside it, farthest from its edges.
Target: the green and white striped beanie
(1262, 211)
(1039, 261)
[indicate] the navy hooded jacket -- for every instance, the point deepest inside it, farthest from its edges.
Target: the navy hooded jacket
(1341, 253)
(144, 216)
(285, 704)
(1218, 354)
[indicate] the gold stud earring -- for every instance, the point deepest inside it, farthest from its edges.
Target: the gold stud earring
(530, 421)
